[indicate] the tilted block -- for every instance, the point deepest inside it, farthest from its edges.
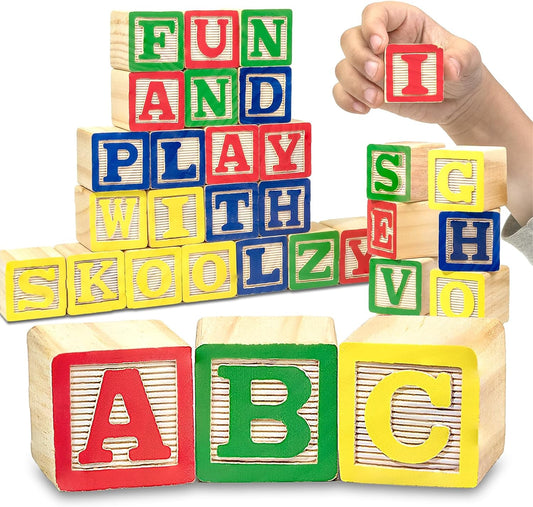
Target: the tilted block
(209, 271)
(95, 280)
(285, 150)
(284, 207)
(421, 401)
(265, 95)
(266, 404)
(262, 265)
(111, 220)
(232, 154)
(414, 73)
(177, 158)
(32, 284)
(399, 230)
(111, 405)
(467, 178)
(398, 171)
(176, 216)
(153, 277)
(266, 37)
(147, 41)
(212, 39)
(400, 287)
(465, 294)
(110, 159)
(231, 211)
(147, 101)
(354, 256)
(469, 241)
(314, 258)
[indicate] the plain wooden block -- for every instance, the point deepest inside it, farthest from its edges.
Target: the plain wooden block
(399, 230)
(467, 178)
(466, 294)
(414, 73)
(212, 39)
(421, 401)
(400, 287)
(95, 280)
(353, 256)
(111, 405)
(111, 220)
(147, 101)
(398, 171)
(147, 41)
(32, 284)
(266, 404)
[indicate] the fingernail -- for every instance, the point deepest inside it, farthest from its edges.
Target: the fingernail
(358, 107)
(375, 42)
(456, 66)
(370, 95)
(371, 68)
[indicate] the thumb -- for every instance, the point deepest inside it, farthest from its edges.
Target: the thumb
(461, 59)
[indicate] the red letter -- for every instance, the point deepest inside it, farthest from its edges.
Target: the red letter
(162, 104)
(414, 74)
(284, 156)
(381, 223)
(202, 38)
(238, 158)
(363, 259)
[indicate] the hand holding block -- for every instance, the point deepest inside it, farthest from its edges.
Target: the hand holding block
(421, 401)
(266, 399)
(111, 405)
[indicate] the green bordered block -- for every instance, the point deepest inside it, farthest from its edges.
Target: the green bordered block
(314, 258)
(266, 411)
(211, 97)
(266, 37)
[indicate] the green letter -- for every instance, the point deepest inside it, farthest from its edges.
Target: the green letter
(261, 33)
(150, 39)
(321, 250)
(388, 173)
(205, 93)
(395, 295)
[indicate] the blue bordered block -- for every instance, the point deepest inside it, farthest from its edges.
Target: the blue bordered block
(231, 211)
(284, 207)
(177, 158)
(265, 95)
(262, 265)
(111, 159)
(469, 241)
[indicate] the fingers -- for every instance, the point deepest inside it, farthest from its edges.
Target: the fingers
(345, 101)
(358, 86)
(360, 56)
(461, 59)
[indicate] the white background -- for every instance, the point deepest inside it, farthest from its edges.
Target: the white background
(56, 77)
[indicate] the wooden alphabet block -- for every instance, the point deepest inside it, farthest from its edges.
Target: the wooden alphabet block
(469, 241)
(32, 284)
(285, 150)
(465, 294)
(147, 41)
(111, 220)
(284, 207)
(266, 37)
(153, 277)
(399, 230)
(400, 287)
(111, 405)
(314, 258)
(467, 178)
(398, 171)
(232, 154)
(421, 401)
(147, 101)
(110, 159)
(262, 265)
(414, 73)
(209, 271)
(354, 256)
(212, 39)
(265, 95)
(176, 216)
(177, 158)
(266, 399)
(95, 280)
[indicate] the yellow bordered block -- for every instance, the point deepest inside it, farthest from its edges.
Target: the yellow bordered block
(209, 271)
(32, 284)
(470, 294)
(111, 220)
(153, 277)
(95, 280)
(467, 178)
(421, 401)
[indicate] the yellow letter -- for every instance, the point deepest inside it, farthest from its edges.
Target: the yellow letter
(165, 278)
(446, 299)
(87, 281)
(111, 221)
(220, 272)
(175, 217)
(465, 191)
(25, 284)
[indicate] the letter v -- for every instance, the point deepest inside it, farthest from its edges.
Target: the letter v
(395, 295)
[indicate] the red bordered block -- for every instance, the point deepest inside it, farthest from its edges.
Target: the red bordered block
(111, 408)
(414, 73)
